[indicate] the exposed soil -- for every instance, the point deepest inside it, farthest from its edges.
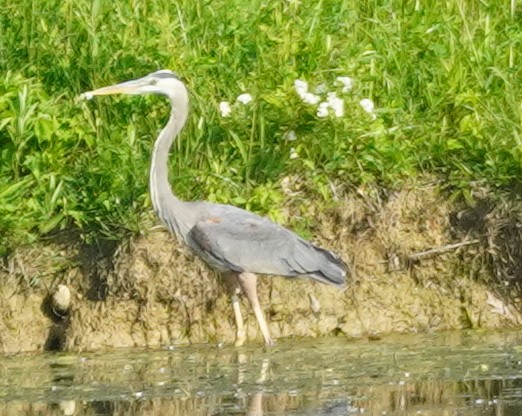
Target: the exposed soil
(150, 291)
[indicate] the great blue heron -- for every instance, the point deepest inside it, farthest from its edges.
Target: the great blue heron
(235, 242)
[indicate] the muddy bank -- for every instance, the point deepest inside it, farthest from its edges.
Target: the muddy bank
(410, 272)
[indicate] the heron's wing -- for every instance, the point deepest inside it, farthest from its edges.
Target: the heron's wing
(243, 242)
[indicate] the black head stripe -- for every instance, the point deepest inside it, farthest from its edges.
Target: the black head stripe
(164, 74)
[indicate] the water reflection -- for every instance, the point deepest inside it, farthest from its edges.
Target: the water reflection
(458, 373)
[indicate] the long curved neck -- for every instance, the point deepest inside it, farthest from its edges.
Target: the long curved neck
(167, 206)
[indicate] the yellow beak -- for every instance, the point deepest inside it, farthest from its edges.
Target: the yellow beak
(127, 87)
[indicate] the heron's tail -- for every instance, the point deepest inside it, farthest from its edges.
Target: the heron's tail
(332, 270)
(317, 263)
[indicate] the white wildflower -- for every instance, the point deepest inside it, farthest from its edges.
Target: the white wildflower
(301, 87)
(290, 136)
(224, 108)
(322, 110)
(310, 98)
(338, 108)
(336, 104)
(368, 106)
(346, 82)
(293, 153)
(244, 98)
(333, 102)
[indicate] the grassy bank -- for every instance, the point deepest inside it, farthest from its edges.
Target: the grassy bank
(444, 78)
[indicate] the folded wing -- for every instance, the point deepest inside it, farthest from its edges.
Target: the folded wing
(243, 242)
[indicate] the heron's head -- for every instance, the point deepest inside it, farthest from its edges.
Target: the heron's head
(163, 82)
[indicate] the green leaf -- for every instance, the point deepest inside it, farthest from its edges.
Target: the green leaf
(50, 224)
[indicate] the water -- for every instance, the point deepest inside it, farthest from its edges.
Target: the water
(456, 373)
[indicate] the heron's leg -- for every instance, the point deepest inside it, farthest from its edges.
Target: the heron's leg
(232, 284)
(248, 282)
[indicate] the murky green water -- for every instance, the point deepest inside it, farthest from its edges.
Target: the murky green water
(458, 373)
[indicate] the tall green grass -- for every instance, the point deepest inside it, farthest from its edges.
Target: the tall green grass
(444, 76)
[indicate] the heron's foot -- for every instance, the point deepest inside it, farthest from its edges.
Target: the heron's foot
(240, 339)
(270, 342)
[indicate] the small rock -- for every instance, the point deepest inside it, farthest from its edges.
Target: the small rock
(61, 300)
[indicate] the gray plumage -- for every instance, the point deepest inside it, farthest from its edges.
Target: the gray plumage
(231, 240)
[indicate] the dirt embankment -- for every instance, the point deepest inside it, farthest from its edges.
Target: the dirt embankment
(417, 264)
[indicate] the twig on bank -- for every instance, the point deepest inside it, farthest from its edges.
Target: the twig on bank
(441, 250)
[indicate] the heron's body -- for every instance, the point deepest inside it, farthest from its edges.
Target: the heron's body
(232, 239)
(235, 242)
